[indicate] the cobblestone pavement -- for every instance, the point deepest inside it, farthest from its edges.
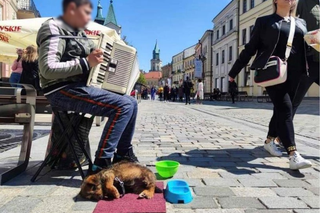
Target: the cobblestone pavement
(219, 146)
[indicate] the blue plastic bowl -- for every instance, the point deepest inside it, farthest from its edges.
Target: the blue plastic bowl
(178, 191)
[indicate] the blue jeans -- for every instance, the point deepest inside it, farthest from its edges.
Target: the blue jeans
(14, 78)
(120, 110)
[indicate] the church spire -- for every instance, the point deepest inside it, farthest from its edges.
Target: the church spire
(111, 17)
(99, 18)
(156, 51)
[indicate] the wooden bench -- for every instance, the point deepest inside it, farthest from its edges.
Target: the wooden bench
(264, 98)
(20, 111)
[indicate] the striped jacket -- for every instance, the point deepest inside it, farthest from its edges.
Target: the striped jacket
(62, 55)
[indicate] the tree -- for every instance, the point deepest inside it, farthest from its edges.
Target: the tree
(142, 79)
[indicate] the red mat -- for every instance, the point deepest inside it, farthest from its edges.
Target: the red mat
(131, 204)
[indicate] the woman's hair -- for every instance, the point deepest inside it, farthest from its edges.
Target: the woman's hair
(30, 54)
(19, 56)
(292, 9)
(199, 80)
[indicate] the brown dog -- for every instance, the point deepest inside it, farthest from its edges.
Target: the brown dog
(137, 179)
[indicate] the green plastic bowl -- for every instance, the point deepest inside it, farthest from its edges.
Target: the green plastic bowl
(167, 168)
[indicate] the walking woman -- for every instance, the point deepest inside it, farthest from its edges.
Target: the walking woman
(200, 95)
(30, 73)
(269, 38)
(16, 69)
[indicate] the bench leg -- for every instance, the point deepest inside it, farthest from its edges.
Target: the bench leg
(24, 151)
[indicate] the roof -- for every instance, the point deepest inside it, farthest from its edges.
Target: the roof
(153, 75)
(99, 12)
(111, 17)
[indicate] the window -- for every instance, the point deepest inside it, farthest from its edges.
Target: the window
(251, 29)
(222, 57)
(251, 4)
(244, 36)
(217, 59)
(244, 6)
(224, 30)
(222, 80)
(217, 34)
(216, 83)
(231, 24)
(230, 53)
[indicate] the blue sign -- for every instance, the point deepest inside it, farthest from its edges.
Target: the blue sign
(198, 69)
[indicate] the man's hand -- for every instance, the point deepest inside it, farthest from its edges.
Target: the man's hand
(231, 79)
(95, 58)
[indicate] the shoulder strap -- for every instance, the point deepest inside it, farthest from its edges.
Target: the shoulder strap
(291, 36)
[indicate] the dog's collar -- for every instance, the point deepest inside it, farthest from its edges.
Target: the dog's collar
(122, 186)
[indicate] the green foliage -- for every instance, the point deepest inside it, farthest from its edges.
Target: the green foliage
(142, 79)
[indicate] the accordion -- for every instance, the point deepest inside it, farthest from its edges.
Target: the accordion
(120, 69)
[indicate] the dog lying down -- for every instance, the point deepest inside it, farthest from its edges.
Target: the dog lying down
(124, 177)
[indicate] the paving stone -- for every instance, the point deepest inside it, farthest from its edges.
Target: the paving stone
(240, 203)
(270, 176)
(199, 203)
(306, 211)
(54, 204)
(257, 183)
(292, 192)
(283, 203)
(219, 211)
(194, 182)
(315, 190)
(292, 183)
(202, 173)
(314, 182)
(18, 204)
(253, 192)
(213, 191)
(267, 211)
(220, 182)
(38, 190)
(313, 202)
(84, 206)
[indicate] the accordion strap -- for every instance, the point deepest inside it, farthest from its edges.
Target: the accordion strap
(290, 38)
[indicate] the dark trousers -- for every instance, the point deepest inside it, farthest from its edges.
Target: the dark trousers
(166, 96)
(302, 89)
(120, 110)
(233, 96)
(187, 98)
(281, 123)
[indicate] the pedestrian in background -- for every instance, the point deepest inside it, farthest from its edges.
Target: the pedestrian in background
(200, 95)
(160, 91)
(187, 86)
(16, 69)
(233, 90)
(166, 90)
(173, 93)
(180, 93)
(270, 38)
(30, 68)
(153, 93)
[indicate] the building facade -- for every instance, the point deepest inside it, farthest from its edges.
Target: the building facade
(156, 62)
(153, 78)
(225, 44)
(188, 62)
(166, 74)
(206, 58)
(177, 68)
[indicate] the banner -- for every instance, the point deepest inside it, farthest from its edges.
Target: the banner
(198, 69)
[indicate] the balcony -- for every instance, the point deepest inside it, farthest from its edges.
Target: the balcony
(27, 9)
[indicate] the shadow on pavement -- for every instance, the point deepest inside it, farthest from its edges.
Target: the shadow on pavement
(236, 161)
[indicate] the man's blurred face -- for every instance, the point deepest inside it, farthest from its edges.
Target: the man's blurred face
(81, 15)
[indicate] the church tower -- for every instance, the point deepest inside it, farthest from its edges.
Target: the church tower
(156, 62)
(111, 20)
(99, 18)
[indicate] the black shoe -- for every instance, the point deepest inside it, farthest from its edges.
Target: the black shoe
(98, 165)
(128, 156)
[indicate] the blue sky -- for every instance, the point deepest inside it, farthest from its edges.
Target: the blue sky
(176, 24)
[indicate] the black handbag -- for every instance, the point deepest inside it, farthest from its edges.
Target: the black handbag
(275, 71)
